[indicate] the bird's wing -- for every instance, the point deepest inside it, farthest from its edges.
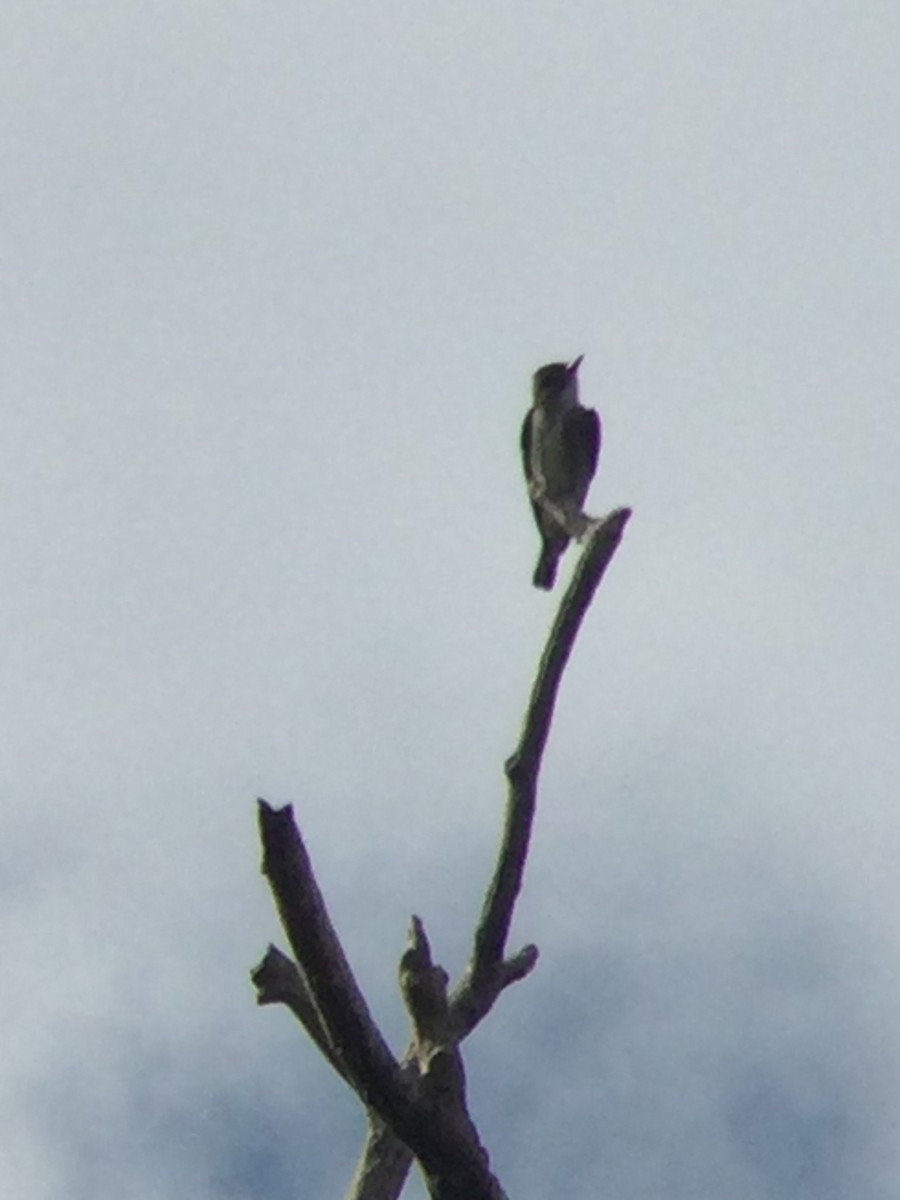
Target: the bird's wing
(525, 442)
(582, 436)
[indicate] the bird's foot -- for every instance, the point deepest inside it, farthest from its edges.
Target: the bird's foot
(584, 526)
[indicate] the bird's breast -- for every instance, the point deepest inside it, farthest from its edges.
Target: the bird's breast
(548, 459)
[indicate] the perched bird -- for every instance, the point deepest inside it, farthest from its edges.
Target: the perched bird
(560, 447)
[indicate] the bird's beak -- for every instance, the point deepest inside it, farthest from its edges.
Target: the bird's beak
(573, 367)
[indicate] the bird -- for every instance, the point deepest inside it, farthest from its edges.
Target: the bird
(560, 447)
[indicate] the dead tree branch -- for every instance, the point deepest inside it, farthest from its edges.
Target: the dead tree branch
(425, 1108)
(417, 1108)
(351, 1032)
(487, 963)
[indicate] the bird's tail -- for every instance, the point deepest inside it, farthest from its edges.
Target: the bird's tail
(545, 571)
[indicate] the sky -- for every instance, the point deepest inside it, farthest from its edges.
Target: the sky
(275, 279)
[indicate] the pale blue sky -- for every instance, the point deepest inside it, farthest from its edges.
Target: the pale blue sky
(274, 280)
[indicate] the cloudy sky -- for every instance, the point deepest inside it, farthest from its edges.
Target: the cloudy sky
(274, 280)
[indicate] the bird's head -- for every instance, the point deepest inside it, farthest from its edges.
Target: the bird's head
(557, 383)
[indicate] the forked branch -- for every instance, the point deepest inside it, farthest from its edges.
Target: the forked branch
(417, 1108)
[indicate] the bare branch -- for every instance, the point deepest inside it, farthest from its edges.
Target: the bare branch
(424, 990)
(418, 1109)
(430, 1118)
(344, 1014)
(383, 1165)
(523, 766)
(454, 1162)
(278, 981)
(385, 1160)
